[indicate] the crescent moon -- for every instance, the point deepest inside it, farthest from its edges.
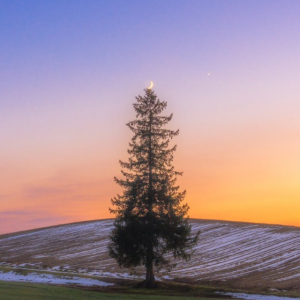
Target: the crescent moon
(151, 86)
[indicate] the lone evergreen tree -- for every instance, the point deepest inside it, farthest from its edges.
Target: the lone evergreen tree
(151, 220)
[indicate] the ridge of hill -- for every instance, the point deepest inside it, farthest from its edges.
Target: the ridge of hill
(236, 254)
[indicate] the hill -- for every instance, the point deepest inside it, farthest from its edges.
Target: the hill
(234, 254)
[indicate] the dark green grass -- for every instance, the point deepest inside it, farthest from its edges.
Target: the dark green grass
(29, 291)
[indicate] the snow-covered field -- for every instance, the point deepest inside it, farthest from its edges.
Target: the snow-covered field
(240, 254)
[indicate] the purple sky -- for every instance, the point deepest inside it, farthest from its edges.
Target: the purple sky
(70, 71)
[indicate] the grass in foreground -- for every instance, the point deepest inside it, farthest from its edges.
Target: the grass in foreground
(30, 291)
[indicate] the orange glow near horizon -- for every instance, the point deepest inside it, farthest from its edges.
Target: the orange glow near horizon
(225, 179)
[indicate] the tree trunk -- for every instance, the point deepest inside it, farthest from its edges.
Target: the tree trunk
(150, 280)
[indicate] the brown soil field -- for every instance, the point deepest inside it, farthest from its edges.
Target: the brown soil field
(239, 255)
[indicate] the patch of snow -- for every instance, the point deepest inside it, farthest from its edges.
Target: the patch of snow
(255, 297)
(22, 265)
(49, 278)
(289, 277)
(115, 275)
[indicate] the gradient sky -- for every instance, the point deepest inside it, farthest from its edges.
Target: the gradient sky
(70, 71)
